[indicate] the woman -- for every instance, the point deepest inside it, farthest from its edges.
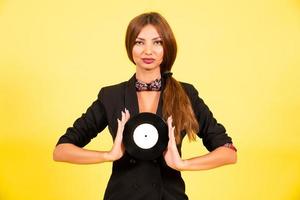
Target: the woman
(151, 46)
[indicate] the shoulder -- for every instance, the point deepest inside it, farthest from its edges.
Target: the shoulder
(114, 87)
(189, 88)
(192, 94)
(111, 91)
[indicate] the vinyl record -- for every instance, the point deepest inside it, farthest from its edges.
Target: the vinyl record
(145, 136)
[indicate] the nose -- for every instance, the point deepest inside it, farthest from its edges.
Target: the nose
(148, 49)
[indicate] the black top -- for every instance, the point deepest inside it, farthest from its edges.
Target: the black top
(134, 179)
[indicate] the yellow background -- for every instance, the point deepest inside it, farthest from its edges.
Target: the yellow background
(242, 56)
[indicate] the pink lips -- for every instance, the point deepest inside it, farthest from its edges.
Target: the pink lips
(148, 60)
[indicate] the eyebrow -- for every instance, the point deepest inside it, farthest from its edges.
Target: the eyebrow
(152, 39)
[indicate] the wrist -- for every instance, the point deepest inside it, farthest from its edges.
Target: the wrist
(107, 156)
(184, 165)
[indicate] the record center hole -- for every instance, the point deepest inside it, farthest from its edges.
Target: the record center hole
(145, 135)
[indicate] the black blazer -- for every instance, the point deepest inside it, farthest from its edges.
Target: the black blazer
(134, 179)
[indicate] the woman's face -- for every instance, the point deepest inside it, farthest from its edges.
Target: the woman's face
(148, 51)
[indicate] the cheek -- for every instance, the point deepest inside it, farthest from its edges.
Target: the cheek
(136, 51)
(160, 52)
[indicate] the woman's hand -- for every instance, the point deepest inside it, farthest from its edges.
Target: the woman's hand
(218, 157)
(118, 148)
(171, 155)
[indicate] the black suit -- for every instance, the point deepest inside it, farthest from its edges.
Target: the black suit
(134, 179)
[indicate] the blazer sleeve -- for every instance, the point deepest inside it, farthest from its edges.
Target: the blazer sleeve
(88, 125)
(212, 133)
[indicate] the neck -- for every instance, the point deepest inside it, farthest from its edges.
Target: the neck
(147, 75)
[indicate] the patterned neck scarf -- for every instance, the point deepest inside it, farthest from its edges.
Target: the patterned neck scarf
(152, 86)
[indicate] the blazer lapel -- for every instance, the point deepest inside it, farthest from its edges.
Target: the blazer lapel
(131, 101)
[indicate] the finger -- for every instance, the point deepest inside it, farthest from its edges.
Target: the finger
(169, 121)
(173, 133)
(123, 116)
(119, 126)
(169, 118)
(127, 115)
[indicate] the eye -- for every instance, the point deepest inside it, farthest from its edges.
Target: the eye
(138, 42)
(159, 42)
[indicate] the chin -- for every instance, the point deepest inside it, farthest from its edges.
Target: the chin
(148, 67)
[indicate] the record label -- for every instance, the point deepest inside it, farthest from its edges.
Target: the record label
(145, 136)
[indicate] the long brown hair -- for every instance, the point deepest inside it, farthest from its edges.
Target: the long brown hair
(178, 105)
